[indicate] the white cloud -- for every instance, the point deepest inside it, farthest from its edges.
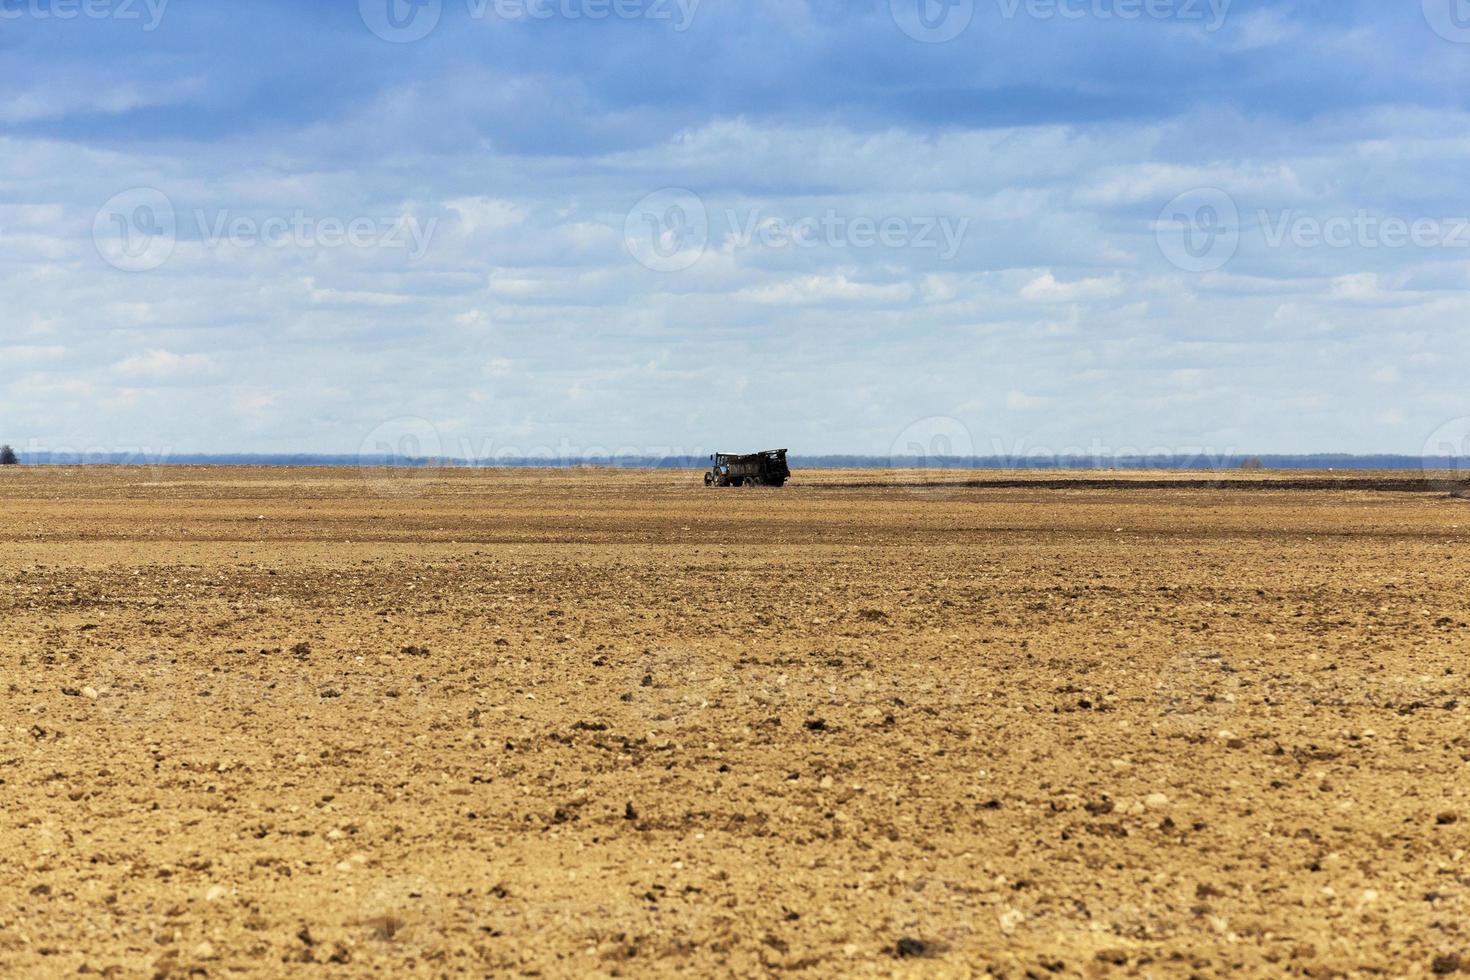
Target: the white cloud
(27, 356)
(1061, 289)
(486, 213)
(834, 287)
(1046, 289)
(1019, 401)
(162, 365)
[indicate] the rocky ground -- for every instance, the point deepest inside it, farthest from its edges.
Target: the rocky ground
(576, 723)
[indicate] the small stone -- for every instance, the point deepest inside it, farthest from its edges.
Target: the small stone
(89, 693)
(205, 950)
(215, 893)
(1447, 964)
(1155, 801)
(909, 948)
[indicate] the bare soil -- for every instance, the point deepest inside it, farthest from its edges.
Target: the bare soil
(342, 722)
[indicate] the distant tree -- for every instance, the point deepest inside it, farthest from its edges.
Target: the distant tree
(1252, 464)
(8, 457)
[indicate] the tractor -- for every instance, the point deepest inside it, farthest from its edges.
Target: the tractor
(763, 469)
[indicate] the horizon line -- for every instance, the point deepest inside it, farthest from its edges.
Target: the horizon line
(819, 461)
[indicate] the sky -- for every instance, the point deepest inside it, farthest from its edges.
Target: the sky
(575, 227)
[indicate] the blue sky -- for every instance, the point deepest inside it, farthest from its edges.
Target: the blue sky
(580, 226)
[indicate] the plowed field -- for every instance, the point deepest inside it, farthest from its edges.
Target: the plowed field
(342, 723)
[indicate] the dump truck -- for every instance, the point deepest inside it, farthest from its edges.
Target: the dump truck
(763, 469)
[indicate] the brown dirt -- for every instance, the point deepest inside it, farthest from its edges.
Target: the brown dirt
(586, 723)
